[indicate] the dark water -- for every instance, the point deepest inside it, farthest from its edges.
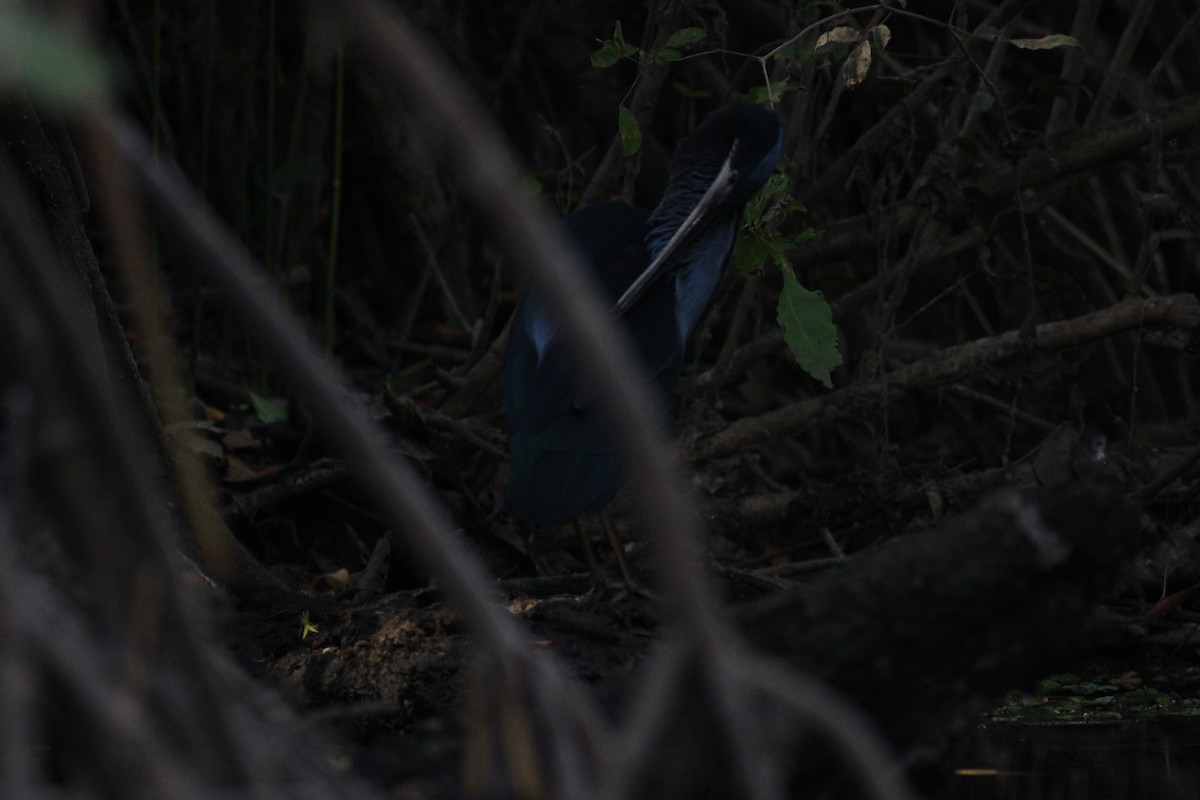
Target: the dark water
(1121, 761)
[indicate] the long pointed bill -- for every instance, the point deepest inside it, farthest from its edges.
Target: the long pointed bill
(717, 191)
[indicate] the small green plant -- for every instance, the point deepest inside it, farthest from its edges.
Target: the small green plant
(306, 625)
(804, 315)
(761, 238)
(617, 48)
(613, 50)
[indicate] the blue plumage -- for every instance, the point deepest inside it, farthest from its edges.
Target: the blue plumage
(660, 270)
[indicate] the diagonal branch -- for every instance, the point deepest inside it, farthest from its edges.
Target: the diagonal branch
(951, 364)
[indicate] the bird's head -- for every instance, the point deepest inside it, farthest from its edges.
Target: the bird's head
(749, 135)
(715, 171)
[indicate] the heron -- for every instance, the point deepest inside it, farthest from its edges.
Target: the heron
(660, 270)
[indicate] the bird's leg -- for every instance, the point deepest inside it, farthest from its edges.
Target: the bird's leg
(535, 558)
(619, 552)
(598, 580)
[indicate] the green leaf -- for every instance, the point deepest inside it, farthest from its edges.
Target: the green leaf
(269, 409)
(680, 39)
(685, 36)
(687, 91)
(613, 50)
(749, 253)
(41, 58)
(808, 328)
(531, 186)
(806, 235)
(785, 52)
(631, 131)
(757, 205)
(608, 54)
(767, 94)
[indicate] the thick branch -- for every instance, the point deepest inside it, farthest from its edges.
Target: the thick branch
(981, 603)
(951, 364)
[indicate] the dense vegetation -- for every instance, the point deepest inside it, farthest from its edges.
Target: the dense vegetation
(976, 269)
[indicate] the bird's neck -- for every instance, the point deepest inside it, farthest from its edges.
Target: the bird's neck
(699, 273)
(683, 193)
